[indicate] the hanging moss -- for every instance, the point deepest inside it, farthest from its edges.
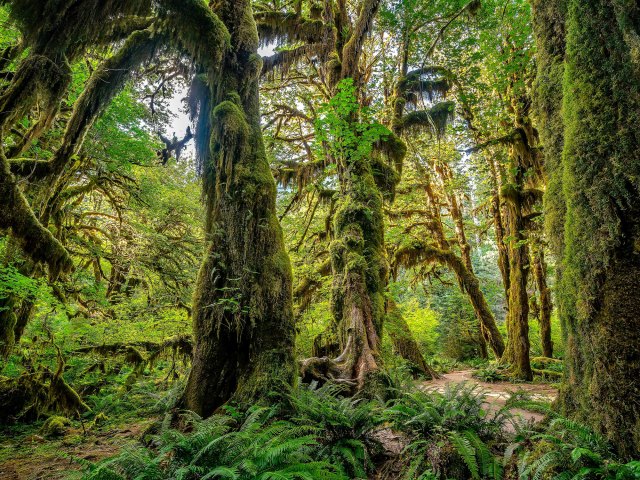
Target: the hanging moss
(36, 75)
(386, 178)
(31, 235)
(278, 27)
(432, 83)
(105, 83)
(198, 31)
(280, 62)
(395, 150)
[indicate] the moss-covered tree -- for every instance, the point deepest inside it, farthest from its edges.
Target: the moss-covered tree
(600, 171)
(242, 313)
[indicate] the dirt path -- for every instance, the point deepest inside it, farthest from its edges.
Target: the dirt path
(497, 393)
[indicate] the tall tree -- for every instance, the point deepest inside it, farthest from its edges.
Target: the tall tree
(243, 312)
(243, 315)
(601, 194)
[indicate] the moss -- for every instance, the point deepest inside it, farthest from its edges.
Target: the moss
(55, 426)
(386, 178)
(31, 235)
(600, 178)
(98, 420)
(404, 344)
(549, 374)
(243, 307)
(8, 322)
(416, 252)
(434, 120)
(285, 27)
(549, 28)
(197, 31)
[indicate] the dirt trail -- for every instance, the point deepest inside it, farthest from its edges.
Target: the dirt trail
(497, 393)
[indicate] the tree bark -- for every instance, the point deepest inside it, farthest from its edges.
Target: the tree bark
(463, 269)
(243, 309)
(544, 293)
(517, 351)
(416, 252)
(599, 303)
(455, 209)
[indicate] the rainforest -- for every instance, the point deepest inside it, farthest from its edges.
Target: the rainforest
(320, 239)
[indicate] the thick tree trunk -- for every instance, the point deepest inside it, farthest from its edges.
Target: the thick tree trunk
(600, 305)
(549, 28)
(243, 309)
(358, 261)
(517, 351)
(8, 322)
(360, 272)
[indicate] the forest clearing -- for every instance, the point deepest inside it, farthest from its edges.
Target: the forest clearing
(319, 239)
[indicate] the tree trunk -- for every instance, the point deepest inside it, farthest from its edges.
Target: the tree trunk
(404, 344)
(517, 351)
(499, 227)
(544, 292)
(360, 272)
(455, 209)
(416, 252)
(549, 28)
(471, 285)
(599, 300)
(243, 310)
(466, 277)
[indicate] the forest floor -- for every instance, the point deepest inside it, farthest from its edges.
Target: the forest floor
(25, 455)
(29, 456)
(497, 393)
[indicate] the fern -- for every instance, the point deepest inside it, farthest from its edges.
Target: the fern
(569, 450)
(343, 425)
(467, 452)
(261, 447)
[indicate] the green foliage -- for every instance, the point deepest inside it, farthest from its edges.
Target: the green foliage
(491, 373)
(346, 128)
(260, 447)
(568, 450)
(423, 323)
(344, 425)
(55, 426)
(448, 431)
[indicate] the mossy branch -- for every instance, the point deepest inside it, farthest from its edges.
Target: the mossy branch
(433, 120)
